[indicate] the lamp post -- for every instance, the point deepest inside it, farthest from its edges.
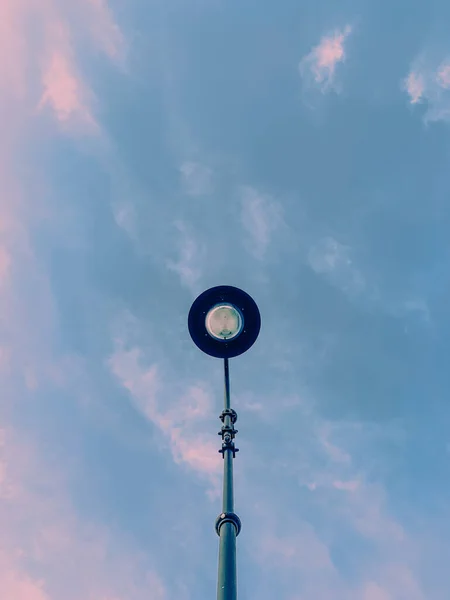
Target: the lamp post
(224, 322)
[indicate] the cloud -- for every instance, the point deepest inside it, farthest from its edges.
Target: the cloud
(41, 36)
(12, 49)
(365, 509)
(336, 453)
(190, 260)
(333, 260)
(419, 307)
(64, 89)
(398, 583)
(38, 68)
(39, 75)
(428, 83)
(5, 263)
(341, 505)
(180, 421)
(197, 179)
(47, 551)
(18, 585)
(125, 217)
(348, 486)
(415, 86)
(304, 548)
(321, 62)
(373, 591)
(340, 265)
(105, 31)
(260, 218)
(443, 75)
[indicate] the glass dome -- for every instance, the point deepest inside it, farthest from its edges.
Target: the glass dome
(224, 322)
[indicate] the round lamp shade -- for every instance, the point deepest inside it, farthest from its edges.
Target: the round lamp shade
(224, 321)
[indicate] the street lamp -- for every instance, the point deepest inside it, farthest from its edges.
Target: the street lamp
(224, 322)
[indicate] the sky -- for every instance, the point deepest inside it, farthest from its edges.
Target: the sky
(150, 150)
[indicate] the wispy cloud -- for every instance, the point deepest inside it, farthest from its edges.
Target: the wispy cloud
(443, 75)
(196, 178)
(415, 86)
(339, 535)
(47, 550)
(191, 257)
(347, 486)
(35, 40)
(303, 548)
(342, 499)
(5, 263)
(261, 216)
(321, 62)
(43, 536)
(125, 217)
(13, 55)
(330, 258)
(428, 82)
(372, 591)
(65, 91)
(179, 420)
(105, 31)
(53, 52)
(64, 87)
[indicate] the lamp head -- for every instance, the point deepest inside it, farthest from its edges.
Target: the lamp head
(224, 321)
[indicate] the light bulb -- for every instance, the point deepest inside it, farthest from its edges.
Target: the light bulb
(224, 322)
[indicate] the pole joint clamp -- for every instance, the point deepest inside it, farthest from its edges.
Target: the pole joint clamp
(229, 412)
(228, 517)
(228, 432)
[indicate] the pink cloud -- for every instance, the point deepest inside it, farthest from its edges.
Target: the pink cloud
(22, 330)
(4, 359)
(373, 591)
(443, 76)
(200, 454)
(415, 86)
(47, 551)
(39, 68)
(5, 263)
(298, 551)
(179, 420)
(429, 82)
(348, 486)
(368, 515)
(105, 32)
(365, 508)
(323, 59)
(17, 585)
(53, 52)
(64, 91)
(42, 534)
(12, 48)
(395, 582)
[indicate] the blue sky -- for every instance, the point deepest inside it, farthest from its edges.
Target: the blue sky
(151, 150)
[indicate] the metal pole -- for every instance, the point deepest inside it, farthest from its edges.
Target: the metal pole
(228, 524)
